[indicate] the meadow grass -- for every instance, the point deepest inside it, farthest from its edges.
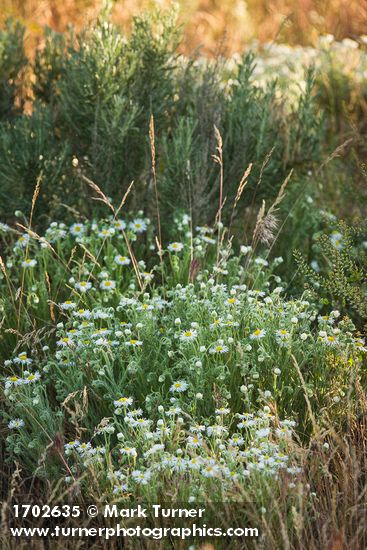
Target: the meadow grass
(182, 308)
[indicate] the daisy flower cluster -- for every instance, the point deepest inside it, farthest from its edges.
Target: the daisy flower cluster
(230, 449)
(287, 63)
(174, 358)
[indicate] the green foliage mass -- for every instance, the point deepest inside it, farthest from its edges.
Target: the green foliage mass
(94, 94)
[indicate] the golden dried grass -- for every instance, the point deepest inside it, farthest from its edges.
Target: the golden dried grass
(210, 24)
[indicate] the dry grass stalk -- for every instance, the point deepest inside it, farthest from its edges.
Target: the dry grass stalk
(240, 190)
(123, 200)
(133, 260)
(262, 169)
(315, 426)
(242, 184)
(152, 148)
(266, 224)
(50, 303)
(336, 153)
(90, 255)
(281, 194)
(102, 197)
(259, 223)
(218, 158)
(35, 196)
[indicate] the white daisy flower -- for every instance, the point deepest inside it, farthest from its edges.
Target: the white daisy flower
(83, 314)
(83, 286)
(108, 232)
(203, 229)
(77, 229)
(142, 422)
(336, 239)
(263, 432)
(145, 307)
(146, 276)
(210, 470)
(282, 336)
(236, 441)
(330, 340)
(259, 293)
(245, 249)
(134, 343)
(207, 240)
(258, 334)
(13, 381)
(138, 225)
(72, 445)
(22, 241)
(222, 411)
(32, 378)
(188, 335)
(69, 304)
(83, 448)
(15, 424)
(220, 348)
(107, 284)
(140, 477)
(120, 225)
(129, 451)
(29, 263)
(261, 261)
(359, 343)
(122, 260)
(123, 402)
(175, 247)
(194, 441)
(65, 342)
(179, 386)
(23, 359)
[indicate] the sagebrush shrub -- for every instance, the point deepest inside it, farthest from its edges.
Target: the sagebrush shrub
(97, 92)
(12, 61)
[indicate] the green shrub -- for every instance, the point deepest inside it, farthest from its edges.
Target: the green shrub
(97, 92)
(30, 152)
(338, 273)
(12, 61)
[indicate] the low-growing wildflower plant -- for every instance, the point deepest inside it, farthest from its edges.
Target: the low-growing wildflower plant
(152, 374)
